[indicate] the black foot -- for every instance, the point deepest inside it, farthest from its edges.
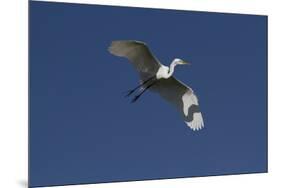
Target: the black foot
(135, 98)
(128, 93)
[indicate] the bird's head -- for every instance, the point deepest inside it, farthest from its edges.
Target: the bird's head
(178, 61)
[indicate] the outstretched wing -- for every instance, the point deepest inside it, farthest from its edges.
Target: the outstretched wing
(183, 98)
(138, 54)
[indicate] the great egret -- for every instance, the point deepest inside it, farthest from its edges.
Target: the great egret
(158, 78)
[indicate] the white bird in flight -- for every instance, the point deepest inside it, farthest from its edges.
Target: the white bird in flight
(158, 78)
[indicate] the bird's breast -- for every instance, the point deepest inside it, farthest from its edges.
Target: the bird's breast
(163, 72)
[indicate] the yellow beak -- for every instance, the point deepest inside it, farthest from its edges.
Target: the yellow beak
(185, 63)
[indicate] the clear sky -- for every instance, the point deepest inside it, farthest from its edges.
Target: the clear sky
(82, 129)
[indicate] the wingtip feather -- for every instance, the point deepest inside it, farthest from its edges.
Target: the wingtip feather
(197, 123)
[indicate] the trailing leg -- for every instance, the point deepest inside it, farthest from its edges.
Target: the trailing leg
(146, 88)
(142, 84)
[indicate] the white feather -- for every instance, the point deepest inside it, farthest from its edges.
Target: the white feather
(189, 99)
(163, 72)
(197, 123)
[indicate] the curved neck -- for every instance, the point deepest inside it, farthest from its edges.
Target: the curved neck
(172, 68)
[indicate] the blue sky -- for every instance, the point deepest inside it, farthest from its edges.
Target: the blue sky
(82, 129)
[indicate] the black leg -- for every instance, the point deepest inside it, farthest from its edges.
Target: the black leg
(142, 84)
(138, 96)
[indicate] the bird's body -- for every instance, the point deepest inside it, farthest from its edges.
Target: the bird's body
(166, 72)
(163, 72)
(159, 78)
